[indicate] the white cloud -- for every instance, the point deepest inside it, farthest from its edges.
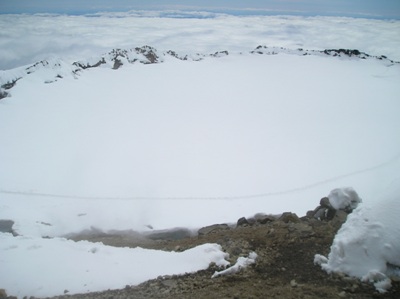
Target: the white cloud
(29, 38)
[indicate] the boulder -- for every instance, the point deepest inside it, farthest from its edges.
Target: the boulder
(6, 226)
(242, 222)
(324, 202)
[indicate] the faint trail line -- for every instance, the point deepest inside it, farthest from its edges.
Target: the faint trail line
(249, 196)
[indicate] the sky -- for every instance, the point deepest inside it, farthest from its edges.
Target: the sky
(363, 8)
(31, 38)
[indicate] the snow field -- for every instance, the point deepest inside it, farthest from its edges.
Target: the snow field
(177, 143)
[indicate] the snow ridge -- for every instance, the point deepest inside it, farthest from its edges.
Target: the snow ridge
(54, 69)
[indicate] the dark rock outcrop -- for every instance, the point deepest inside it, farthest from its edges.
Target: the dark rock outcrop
(88, 65)
(354, 53)
(242, 221)
(150, 53)
(6, 227)
(116, 58)
(3, 94)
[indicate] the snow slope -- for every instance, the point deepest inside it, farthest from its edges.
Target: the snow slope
(368, 244)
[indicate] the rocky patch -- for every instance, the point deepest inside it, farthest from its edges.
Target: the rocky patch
(285, 246)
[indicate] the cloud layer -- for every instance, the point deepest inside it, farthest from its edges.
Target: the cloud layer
(374, 8)
(30, 38)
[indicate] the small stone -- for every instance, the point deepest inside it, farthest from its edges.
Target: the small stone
(252, 221)
(342, 294)
(349, 278)
(320, 213)
(354, 288)
(310, 214)
(339, 218)
(324, 202)
(293, 283)
(330, 213)
(236, 250)
(289, 217)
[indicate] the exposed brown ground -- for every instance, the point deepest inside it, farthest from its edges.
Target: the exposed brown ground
(284, 267)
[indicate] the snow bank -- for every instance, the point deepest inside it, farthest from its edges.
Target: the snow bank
(344, 198)
(48, 267)
(368, 244)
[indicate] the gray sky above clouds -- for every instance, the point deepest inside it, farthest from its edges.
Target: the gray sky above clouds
(364, 8)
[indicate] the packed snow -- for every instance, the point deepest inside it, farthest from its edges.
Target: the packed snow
(49, 267)
(191, 143)
(344, 199)
(240, 264)
(368, 244)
